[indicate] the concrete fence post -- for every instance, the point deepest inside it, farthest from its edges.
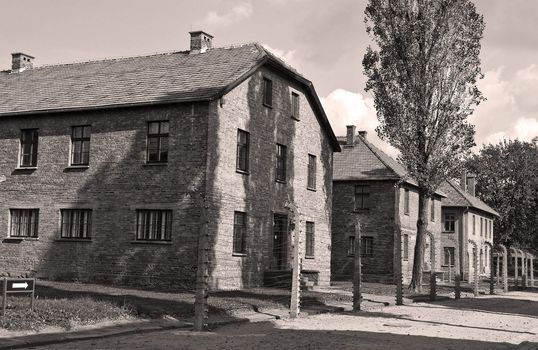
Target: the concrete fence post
(457, 287)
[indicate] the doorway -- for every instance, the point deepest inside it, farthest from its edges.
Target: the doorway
(280, 241)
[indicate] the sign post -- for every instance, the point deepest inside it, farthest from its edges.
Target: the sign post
(16, 286)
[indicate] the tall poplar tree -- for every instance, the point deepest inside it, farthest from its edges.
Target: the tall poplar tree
(422, 73)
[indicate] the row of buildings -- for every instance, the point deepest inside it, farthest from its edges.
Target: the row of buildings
(107, 166)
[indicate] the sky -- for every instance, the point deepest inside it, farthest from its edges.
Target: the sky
(324, 40)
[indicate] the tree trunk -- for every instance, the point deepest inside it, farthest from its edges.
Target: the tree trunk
(422, 226)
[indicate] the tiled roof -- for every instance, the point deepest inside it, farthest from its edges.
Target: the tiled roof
(143, 80)
(457, 197)
(364, 161)
(126, 81)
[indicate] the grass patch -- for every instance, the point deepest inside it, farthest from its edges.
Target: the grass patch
(64, 313)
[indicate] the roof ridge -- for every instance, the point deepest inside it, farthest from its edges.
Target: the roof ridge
(120, 58)
(374, 150)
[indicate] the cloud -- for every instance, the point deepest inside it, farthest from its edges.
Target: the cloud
(289, 57)
(511, 109)
(237, 13)
(348, 108)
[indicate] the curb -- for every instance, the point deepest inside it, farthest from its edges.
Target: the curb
(61, 338)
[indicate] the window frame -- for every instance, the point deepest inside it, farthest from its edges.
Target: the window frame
(34, 148)
(245, 147)
(82, 140)
(281, 163)
(88, 224)
(31, 214)
(267, 92)
(160, 212)
(406, 201)
(363, 194)
(312, 172)
(160, 136)
(367, 249)
(310, 240)
(241, 229)
(295, 105)
(453, 221)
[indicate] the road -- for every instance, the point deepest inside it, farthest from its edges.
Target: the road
(489, 322)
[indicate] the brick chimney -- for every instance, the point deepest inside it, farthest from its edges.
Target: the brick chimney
(21, 61)
(363, 134)
(350, 135)
(471, 183)
(200, 42)
(463, 180)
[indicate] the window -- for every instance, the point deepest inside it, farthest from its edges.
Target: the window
(351, 246)
(243, 144)
(154, 225)
(267, 92)
(76, 223)
(29, 139)
(406, 201)
(24, 222)
(281, 163)
(405, 247)
(240, 232)
(481, 227)
(80, 145)
(491, 229)
(309, 239)
(367, 245)
(311, 172)
(295, 105)
(432, 210)
(449, 256)
(474, 224)
(362, 194)
(450, 222)
(157, 151)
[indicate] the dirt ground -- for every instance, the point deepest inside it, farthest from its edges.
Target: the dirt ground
(509, 321)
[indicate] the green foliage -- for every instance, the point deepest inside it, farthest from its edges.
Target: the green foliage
(507, 180)
(63, 313)
(423, 77)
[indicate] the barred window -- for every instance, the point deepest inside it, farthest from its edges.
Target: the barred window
(76, 223)
(157, 151)
(80, 145)
(267, 92)
(281, 151)
(24, 222)
(29, 143)
(243, 144)
(154, 225)
(295, 105)
(240, 232)
(311, 172)
(310, 239)
(367, 245)
(362, 194)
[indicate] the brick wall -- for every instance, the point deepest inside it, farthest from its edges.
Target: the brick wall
(116, 183)
(376, 222)
(257, 193)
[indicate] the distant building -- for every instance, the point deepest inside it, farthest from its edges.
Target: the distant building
(366, 183)
(103, 164)
(467, 229)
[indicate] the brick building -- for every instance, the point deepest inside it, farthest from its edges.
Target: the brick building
(467, 229)
(366, 185)
(103, 165)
